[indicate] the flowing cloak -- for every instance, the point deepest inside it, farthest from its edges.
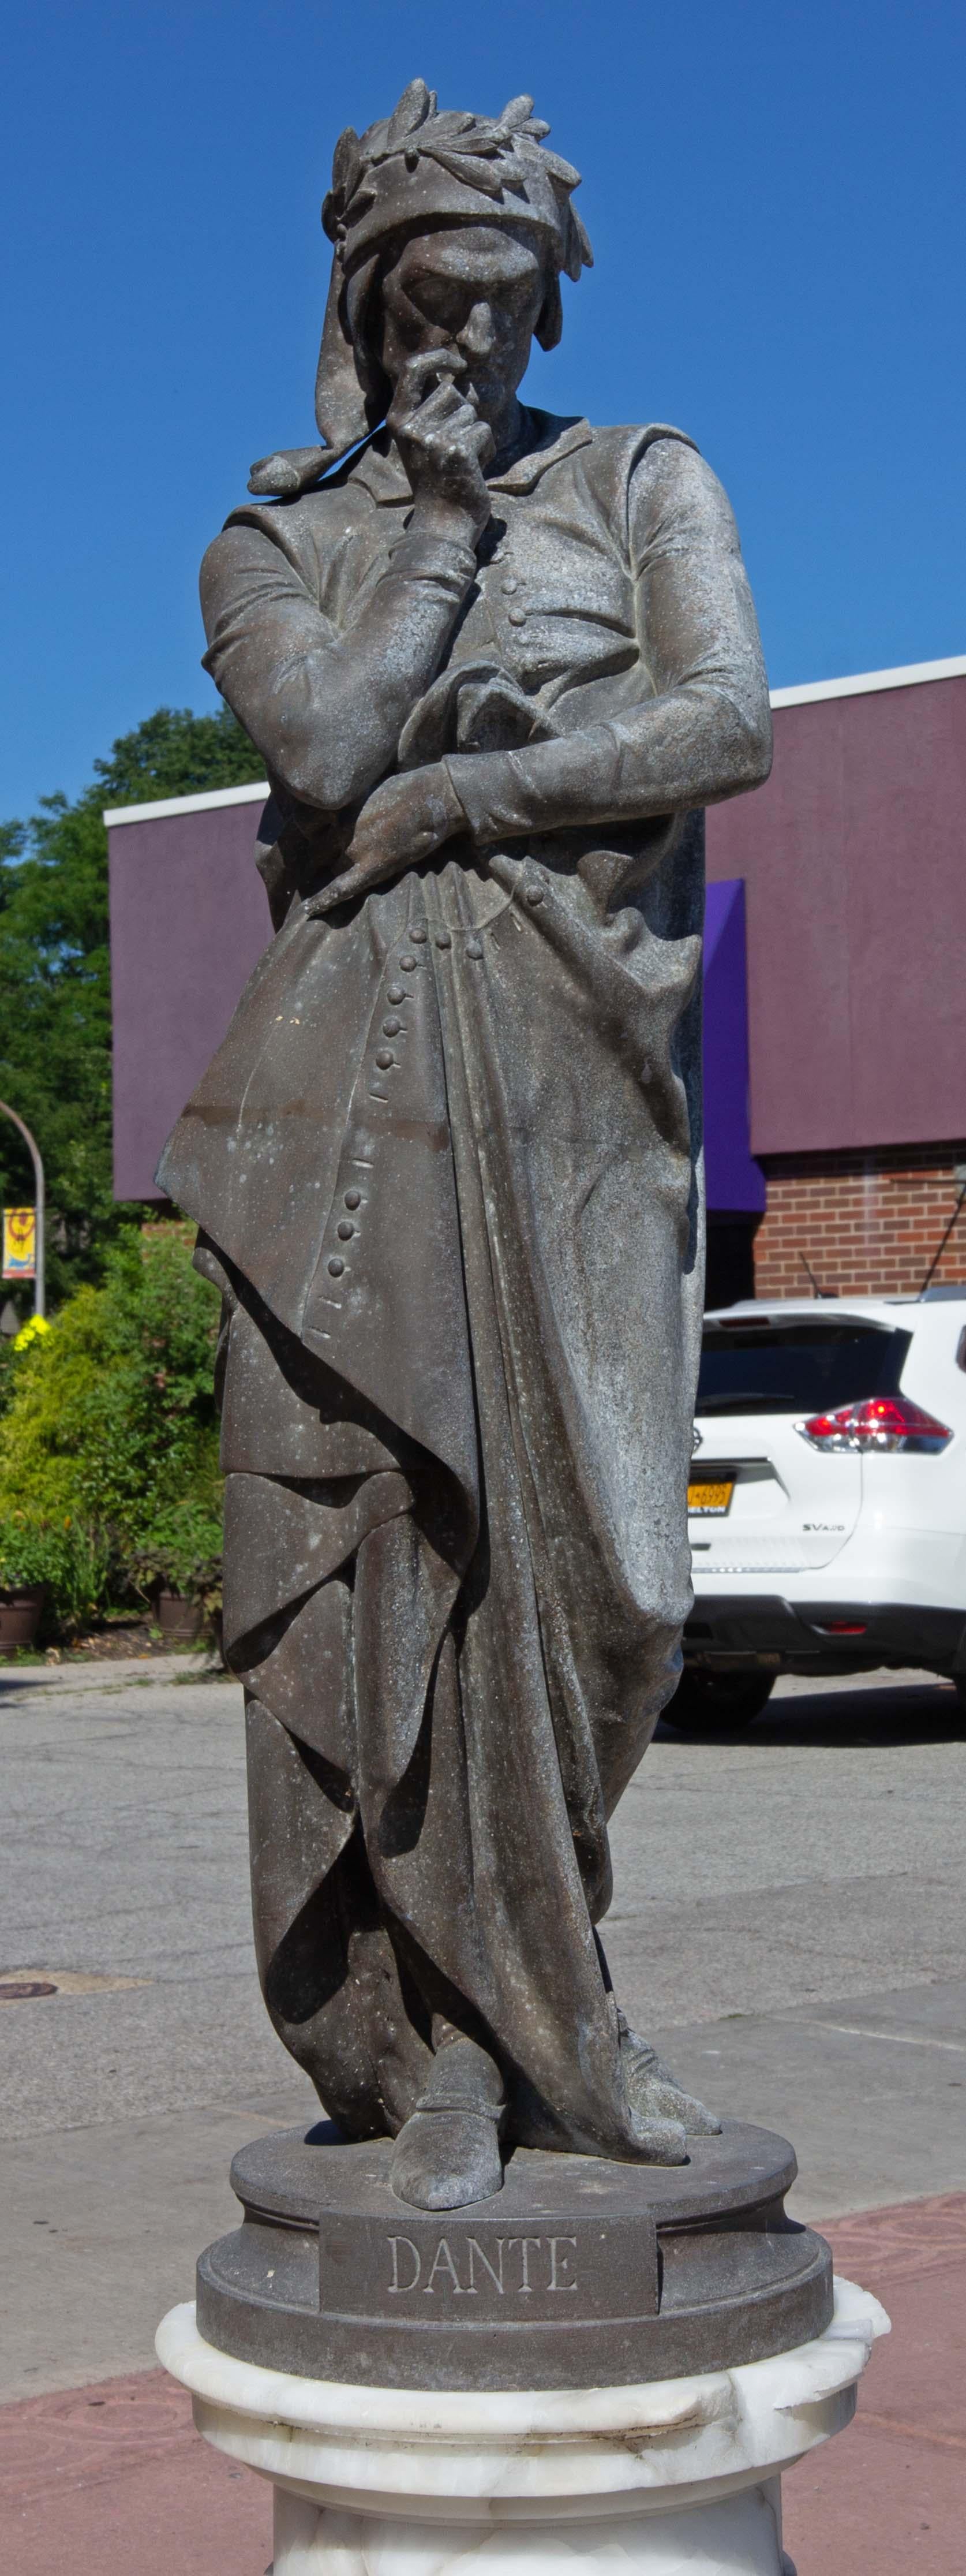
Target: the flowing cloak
(448, 1162)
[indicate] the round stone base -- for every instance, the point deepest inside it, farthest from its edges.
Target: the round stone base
(580, 2273)
(679, 2475)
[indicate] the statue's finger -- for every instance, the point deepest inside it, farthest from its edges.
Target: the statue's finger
(356, 880)
(341, 890)
(424, 373)
(443, 403)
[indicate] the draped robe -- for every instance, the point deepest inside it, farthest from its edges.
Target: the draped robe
(447, 1167)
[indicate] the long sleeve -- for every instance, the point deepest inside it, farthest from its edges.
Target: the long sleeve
(324, 706)
(706, 732)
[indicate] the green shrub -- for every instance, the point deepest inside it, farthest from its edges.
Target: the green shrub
(110, 1425)
(7, 1368)
(181, 1553)
(65, 1558)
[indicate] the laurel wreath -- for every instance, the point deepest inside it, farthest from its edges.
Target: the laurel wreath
(485, 153)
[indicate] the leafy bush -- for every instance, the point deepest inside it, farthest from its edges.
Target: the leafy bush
(181, 1553)
(110, 1426)
(64, 1558)
(7, 1368)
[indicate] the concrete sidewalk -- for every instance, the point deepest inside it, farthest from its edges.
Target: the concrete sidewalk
(106, 2478)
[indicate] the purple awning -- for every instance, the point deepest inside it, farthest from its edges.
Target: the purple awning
(735, 1182)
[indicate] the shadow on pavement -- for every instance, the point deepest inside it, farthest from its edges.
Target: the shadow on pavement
(926, 1712)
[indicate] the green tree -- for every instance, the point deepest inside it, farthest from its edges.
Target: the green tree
(55, 997)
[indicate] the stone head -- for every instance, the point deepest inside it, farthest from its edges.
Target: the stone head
(449, 231)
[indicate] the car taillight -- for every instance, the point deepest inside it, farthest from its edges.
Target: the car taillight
(881, 1422)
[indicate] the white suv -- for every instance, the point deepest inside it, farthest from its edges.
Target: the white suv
(827, 1502)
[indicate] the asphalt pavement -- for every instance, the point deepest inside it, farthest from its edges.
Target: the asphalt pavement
(787, 1923)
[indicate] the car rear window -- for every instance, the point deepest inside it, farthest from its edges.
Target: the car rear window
(797, 1367)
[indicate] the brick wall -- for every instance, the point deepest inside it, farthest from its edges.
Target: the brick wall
(869, 1224)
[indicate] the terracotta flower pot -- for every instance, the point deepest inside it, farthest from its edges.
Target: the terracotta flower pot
(179, 1618)
(20, 1608)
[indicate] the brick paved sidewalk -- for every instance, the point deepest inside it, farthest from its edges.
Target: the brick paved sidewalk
(888, 2497)
(105, 2480)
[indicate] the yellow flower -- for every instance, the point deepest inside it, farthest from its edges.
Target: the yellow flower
(31, 1332)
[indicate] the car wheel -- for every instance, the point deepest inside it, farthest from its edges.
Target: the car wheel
(712, 1703)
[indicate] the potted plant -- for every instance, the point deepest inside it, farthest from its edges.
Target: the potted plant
(176, 1566)
(53, 1569)
(24, 1576)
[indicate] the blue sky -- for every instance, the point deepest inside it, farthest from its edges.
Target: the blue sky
(775, 194)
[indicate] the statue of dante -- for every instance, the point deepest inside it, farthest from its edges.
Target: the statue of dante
(446, 1164)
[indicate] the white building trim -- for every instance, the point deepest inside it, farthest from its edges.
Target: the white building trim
(908, 675)
(165, 805)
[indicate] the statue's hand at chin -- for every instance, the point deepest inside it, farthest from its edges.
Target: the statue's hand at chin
(402, 822)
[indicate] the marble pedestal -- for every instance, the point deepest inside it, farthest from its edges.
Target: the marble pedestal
(677, 2477)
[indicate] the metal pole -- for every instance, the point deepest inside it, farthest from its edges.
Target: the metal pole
(40, 1300)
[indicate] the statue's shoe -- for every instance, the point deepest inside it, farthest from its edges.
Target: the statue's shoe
(654, 2094)
(448, 2152)
(658, 2141)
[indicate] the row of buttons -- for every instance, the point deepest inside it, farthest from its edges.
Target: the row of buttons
(385, 1059)
(441, 939)
(510, 584)
(345, 1231)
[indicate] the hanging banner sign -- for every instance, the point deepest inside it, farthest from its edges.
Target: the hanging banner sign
(20, 1243)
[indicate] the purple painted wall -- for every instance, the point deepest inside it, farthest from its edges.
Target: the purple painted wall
(854, 862)
(189, 918)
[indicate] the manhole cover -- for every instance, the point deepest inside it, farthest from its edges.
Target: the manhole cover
(22, 1990)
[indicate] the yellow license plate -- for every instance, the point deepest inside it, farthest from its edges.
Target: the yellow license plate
(706, 1497)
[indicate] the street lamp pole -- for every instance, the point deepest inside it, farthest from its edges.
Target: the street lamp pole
(40, 1299)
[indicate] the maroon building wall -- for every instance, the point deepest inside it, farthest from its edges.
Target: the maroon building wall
(854, 861)
(189, 919)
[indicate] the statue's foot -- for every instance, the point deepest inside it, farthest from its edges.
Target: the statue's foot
(655, 2096)
(659, 2142)
(448, 2152)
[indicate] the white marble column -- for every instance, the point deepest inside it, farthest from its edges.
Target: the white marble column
(678, 2477)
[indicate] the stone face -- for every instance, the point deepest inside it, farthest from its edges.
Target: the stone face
(579, 2273)
(446, 1166)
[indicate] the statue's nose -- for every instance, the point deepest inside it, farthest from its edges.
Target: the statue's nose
(477, 335)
